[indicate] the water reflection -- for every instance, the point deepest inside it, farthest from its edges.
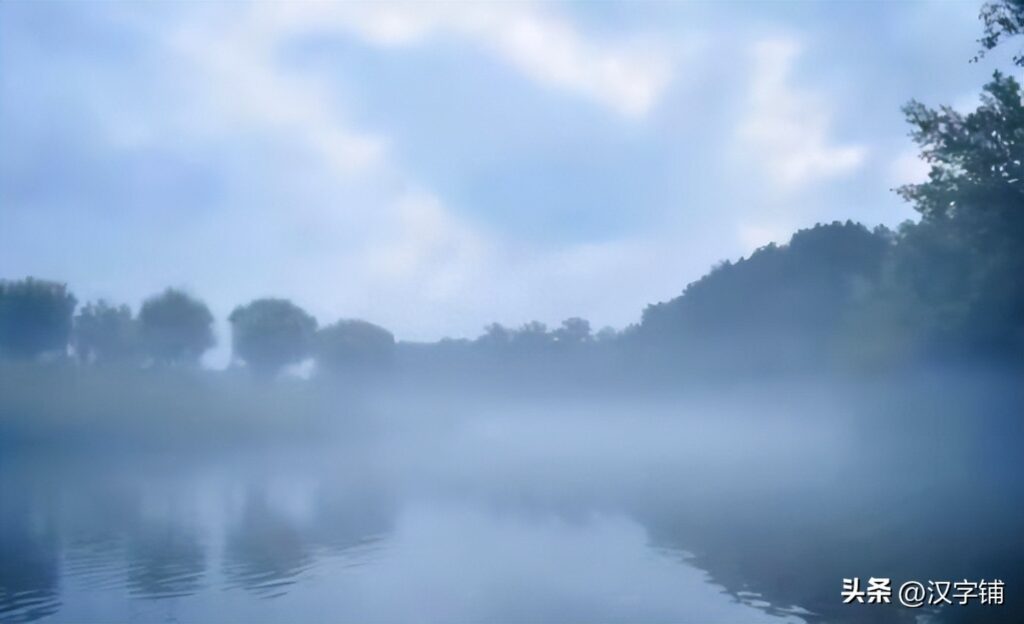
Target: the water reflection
(29, 564)
(213, 543)
(521, 517)
(164, 560)
(785, 547)
(99, 519)
(264, 552)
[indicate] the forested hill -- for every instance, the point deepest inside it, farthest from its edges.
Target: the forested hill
(785, 302)
(950, 285)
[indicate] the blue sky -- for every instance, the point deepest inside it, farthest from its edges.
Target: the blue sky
(433, 167)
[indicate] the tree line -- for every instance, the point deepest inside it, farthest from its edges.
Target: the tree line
(948, 286)
(174, 328)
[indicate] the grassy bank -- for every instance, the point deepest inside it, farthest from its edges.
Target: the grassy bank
(61, 405)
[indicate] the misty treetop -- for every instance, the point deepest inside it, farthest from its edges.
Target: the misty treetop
(35, 317)
(534, 335)
(349, 346)
(269, 334)
(175, 327)
(574, 330)
(105, 333)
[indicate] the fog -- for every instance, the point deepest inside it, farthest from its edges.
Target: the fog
(738, 500)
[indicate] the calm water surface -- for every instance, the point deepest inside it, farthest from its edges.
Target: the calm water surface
(284, 543)
(511, 518)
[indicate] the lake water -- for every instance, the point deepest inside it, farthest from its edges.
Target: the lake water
(524, 517)
(220, 543)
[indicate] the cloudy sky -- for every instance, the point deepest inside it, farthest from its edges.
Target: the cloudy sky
(433, 167)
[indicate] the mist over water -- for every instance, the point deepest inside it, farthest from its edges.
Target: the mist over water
(747, 501)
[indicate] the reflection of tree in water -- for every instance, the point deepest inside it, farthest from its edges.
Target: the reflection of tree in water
(164, 560)
(785, 548)
(29, 573)
(96, 520)
(759, 555)
(110, 543)
(350, 520)
(264, 551)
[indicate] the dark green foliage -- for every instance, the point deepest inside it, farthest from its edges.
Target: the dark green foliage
(175, 328)
(105, 333)
(782, 302)
(962, 265)
(1002, 19)
(349, 346)
(269, 334)
(35, 317)
(976, 166)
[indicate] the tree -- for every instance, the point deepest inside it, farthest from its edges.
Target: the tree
(783, 304)
(574, 331)
(1002, 19)
(495, 336)
(606, 335)
(105, 333)
(964, 260)
(269, 334)
(531, 337)
(354, 346)
(175, 328)
(35, 317)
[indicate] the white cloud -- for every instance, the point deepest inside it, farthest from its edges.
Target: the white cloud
(785, 128)
(243, 86)
(303, 204)
(308, 206)
(399, 257)
(628, 77)
(427, 249)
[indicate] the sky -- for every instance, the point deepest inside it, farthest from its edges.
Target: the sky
(434, 167)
